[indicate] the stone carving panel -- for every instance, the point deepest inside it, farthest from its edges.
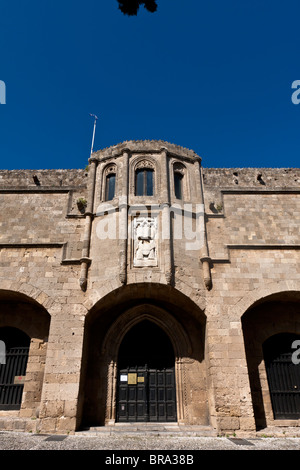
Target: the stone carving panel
(145, 241)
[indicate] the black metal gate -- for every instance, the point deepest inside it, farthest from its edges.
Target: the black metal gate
(12, 373)
(146, 395)
(283, 375)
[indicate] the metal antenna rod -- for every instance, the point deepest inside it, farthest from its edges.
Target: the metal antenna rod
(95, 120)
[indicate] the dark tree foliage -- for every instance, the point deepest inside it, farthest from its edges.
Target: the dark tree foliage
(131, 7)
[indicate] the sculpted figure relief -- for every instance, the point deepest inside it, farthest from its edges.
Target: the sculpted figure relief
(145, 245)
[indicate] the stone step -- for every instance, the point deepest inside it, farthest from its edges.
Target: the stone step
(150, 429)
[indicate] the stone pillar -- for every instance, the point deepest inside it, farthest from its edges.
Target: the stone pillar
(166, 218)
(59, 402)
(123, 217)
(229, 391)
(34, 379)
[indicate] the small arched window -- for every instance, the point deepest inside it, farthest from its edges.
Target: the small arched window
(144, 179)
(110, 177)
(110, 186)
(178, 180)
(179, 172)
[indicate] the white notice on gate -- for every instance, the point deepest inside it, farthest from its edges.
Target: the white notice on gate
(123, 378)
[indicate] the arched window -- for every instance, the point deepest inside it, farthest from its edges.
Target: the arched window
(179, 173)
(144, 182)
(144, 178)
(110, 186)
(178, 180)
(110, 177)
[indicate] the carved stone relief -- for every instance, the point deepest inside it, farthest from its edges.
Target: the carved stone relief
(144, 164)
(179, 168)
(145, 241)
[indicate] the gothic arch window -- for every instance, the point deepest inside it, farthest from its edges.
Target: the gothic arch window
(110, 177)
(144, 178)
(179, 180)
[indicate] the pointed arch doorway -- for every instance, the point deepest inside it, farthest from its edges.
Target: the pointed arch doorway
(146, 387)
(105, 349)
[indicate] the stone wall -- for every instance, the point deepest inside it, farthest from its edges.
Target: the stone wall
(54, 259)
(41, 242)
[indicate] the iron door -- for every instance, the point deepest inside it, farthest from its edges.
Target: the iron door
(146, 395)
(283, 376)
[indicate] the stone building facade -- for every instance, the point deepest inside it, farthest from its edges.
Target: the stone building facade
(149, 288)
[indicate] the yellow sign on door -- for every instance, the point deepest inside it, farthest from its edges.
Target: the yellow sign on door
(132, 379)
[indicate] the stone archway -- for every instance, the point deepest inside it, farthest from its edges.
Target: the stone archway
(175, 332)
(107, 323)
(20, 312)
(273, 316)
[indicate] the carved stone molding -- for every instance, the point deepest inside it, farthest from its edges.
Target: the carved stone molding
(110, 169)
(179, 167)
(144, 164)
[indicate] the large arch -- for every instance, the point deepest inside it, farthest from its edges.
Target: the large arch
(269, 317)
(22, 314)
(107, 324)
(11, 288)
(286, 289)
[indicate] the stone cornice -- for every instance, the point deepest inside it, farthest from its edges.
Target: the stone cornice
(147, 146)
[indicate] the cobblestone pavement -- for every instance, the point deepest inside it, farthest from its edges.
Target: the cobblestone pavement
(141, 442)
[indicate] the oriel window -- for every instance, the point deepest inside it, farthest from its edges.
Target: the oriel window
(110, 187)
(144, 182)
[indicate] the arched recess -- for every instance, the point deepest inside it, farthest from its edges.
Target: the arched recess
(179, 182)
(107, 325)
(175, 332)
(181, 343)
(276, 314)
(23, 316)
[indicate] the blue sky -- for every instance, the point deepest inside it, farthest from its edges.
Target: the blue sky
(212, 76)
